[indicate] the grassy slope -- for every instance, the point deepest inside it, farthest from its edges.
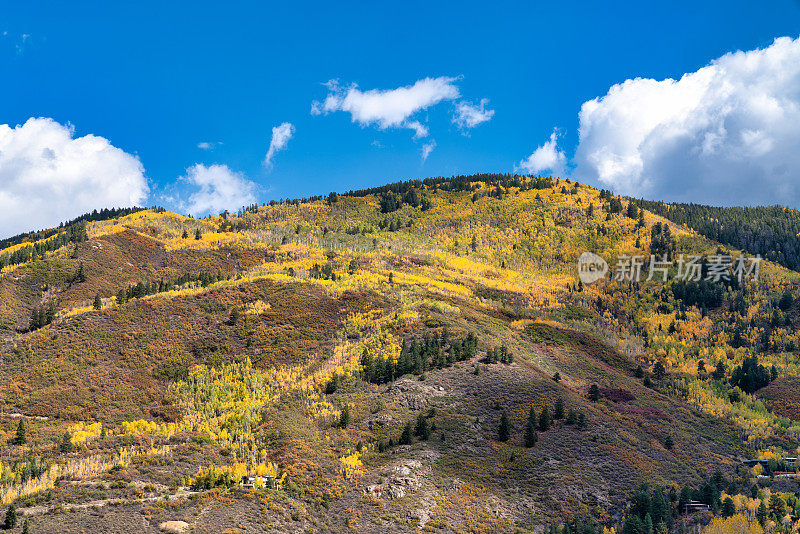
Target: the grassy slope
(782, 396)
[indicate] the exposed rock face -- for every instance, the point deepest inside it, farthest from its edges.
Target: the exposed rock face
(401, 478)
(412, 394)
(174, 527)
(397, 492)
(376, 490)
(378, 420)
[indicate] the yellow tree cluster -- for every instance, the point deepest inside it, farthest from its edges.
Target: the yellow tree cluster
(14, 486)
(737, 524)
(352, 467)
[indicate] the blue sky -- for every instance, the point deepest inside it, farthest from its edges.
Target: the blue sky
(155, 79)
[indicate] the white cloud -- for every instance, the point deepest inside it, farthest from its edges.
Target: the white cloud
(280, 138)
(468, 115)
(546, 157)
(47, 176)
(728, 133)
(390, 108)
(420, 130)
(427, 148)
(208, 145)
(220, 189)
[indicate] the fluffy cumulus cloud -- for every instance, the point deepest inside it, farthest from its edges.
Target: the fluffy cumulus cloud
(389, 108)
(48, 176)
(468, 115)
(218, 189)
(280, 138)
(728, 133)
(546, 158)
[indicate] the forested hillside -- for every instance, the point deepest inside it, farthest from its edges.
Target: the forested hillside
(416, 357)
(772, 231)
(97, 215)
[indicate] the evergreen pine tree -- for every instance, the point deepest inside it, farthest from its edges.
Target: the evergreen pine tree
(633, 525)
(504, 431)
(728, 507)
(11, 517)
(98, 303)
(35, 321)
(530, 429)
(761, 513)
(581, 420)
(344, 417)
(659, 371)
(719, 371)
(185, 234)
(198, 235)
(332, 385)
(419, 362)
(647, 525)
(572, 417)
(777, 507)
(422, 430)
(558, 411)
(22, 436)
(405, 437)
(404, 360)
(659, 510)
(544, 419)
(66, 442)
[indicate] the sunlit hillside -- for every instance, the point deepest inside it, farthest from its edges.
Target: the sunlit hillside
(418, 356)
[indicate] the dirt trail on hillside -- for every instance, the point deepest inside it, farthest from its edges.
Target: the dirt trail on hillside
(43, 509)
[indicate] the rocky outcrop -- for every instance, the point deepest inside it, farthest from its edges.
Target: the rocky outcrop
(174, 527)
